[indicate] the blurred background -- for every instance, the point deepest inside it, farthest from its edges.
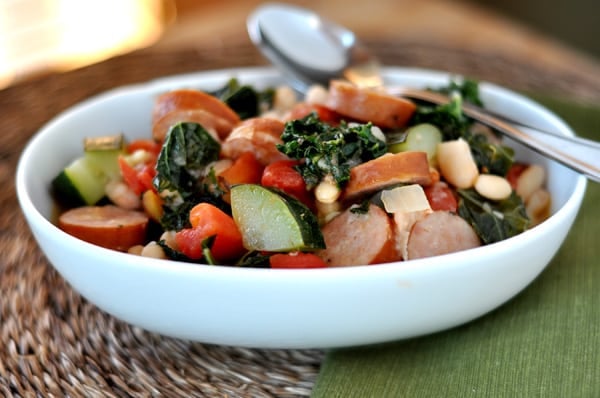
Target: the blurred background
(42, 36)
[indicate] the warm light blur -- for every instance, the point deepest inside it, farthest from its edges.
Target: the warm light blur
(41, 35)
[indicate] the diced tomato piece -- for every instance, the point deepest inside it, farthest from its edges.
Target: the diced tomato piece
(325, 114)
(282, 175)
(145, 144)
(441, 197)
(245, 170)
(208, 220)
(296, 260)
(139, 179)
(514, 172)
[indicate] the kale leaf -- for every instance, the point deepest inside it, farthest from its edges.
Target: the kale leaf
(493, 221)
(245, 100)
(181, 171)
(327, 149)
(454, 124)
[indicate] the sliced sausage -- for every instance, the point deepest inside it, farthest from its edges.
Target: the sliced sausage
(218, 127)
(356, 238)
(258, 135)
(390, 169)
(368, 105)
(186, 100)
(108, 226)
(439, 233)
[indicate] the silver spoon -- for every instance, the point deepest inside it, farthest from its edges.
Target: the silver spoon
(309, 49)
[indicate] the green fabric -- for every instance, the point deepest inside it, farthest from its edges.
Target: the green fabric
(543, 343)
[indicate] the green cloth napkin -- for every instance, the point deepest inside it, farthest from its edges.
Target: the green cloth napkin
(543, 343)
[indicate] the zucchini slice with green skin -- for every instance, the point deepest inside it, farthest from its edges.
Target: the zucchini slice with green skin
(271, 220)
(83, 181)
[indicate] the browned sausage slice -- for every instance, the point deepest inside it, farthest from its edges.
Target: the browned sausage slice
(358, 239)
(368, 105)
(258, 135)
(440, 232)
(108, 226)
(390, 169)
(186, 100)
(218, 127)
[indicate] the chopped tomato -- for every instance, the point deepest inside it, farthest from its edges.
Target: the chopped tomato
(139, 179)
(325, 114)
(441, 197)
(282, 175)
(296, 260)
(245, 170)
(208, 220)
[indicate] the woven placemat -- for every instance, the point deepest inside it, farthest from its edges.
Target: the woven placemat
(55, 343)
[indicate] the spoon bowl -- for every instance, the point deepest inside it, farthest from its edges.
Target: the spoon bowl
(309, 49)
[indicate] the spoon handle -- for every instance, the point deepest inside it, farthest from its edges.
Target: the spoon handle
(579, 154)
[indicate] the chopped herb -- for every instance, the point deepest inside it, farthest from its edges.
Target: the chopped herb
(493, 221)
(454, 124)
(254, 259)
(328, 149)
(181, 171)
(363, 208)
(245, 100)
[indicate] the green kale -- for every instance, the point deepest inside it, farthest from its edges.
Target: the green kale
(468, 90)
(327, 149)
(454, 124)
(182, 170)
(254, 259)
(245, 100)
(493, 221)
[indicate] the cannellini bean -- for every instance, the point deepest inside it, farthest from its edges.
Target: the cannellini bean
(285, 99)
(316, 94)
(538, 206)
(139, 156)
(169, 238)
(137, 250)
(153, 250)
(327, 190)
(120, 194)
(456, 163)
(493, 187)
(327, 211)
(530, 180)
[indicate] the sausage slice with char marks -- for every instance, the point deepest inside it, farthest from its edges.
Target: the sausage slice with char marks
(387, 170)
(369, 105)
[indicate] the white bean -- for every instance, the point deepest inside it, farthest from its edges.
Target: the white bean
(120, 194)
(316, 94)
(456, 163)
(169, 238)
(284, 100)
(137, 250)
(538, 206)
(493, 187)
(327, 190)
(153, 250)
(530, 180)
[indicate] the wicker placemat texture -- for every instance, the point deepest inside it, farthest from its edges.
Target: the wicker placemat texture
(55, 343)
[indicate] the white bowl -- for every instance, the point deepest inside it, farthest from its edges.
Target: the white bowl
(267, 308)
